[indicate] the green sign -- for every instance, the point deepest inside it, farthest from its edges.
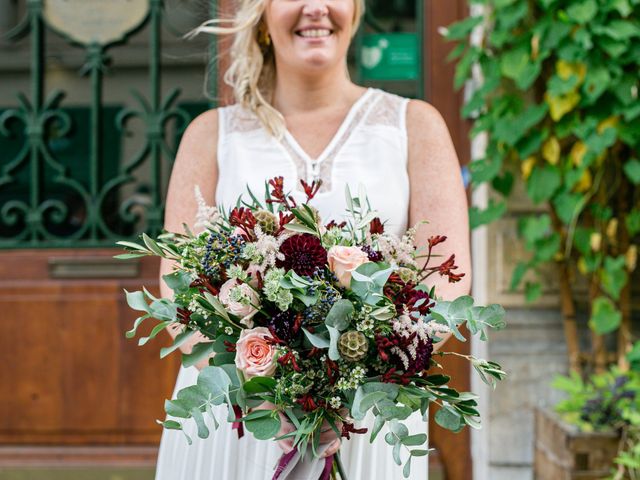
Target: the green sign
(389, 56)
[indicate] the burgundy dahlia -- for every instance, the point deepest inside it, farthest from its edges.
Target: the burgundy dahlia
(282, 326)
(302, 254)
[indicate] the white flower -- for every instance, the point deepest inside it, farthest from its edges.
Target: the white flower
(206, 214)
(265, 250)
(405, 326)
(395, 250)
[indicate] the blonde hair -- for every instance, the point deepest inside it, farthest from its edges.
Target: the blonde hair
(252, 71)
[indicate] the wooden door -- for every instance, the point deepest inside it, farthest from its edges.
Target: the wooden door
(70, 378)
(453, 449)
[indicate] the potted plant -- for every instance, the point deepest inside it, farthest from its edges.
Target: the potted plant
(556, 94)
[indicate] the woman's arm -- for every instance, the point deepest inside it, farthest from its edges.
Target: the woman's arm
(195, 164)
(438, 195)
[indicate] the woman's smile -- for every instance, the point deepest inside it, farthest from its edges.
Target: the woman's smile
(310, 34)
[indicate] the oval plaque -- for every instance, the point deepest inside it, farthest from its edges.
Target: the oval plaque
(95, 21)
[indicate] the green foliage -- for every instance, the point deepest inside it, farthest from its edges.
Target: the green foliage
(478, 319)
(559, 105)
(608, 402)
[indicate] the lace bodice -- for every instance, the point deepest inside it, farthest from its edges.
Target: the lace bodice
(369, 149)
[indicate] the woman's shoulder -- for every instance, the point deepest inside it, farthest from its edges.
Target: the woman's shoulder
(424, 120)
(204, 125)
(198, 146)
(422, 113)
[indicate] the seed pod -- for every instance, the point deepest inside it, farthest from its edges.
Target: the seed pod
(353, 346)
(268, 221)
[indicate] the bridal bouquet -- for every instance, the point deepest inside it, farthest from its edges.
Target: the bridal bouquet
(326, 322)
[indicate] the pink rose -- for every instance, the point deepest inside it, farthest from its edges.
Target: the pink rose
(255, 353)
(344, 260)
(238, 308)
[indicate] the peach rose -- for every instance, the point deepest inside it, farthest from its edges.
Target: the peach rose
(255, 353)
(239, 309)
(344, 260)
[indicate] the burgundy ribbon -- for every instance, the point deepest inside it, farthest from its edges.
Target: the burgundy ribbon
(287, 457)
(326, 473)
(284, 461)
(238, 425)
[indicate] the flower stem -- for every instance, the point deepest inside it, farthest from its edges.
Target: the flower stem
(338, 461)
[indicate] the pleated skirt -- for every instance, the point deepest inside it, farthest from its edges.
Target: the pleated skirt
(223, 456)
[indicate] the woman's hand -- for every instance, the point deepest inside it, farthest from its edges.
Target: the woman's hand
(327, 434)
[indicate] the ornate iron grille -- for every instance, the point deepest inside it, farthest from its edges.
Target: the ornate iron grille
(48, 201)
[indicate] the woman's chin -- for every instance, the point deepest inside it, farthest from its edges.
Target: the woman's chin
(316, 62)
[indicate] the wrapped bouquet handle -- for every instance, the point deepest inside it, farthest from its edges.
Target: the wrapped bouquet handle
(295, 466)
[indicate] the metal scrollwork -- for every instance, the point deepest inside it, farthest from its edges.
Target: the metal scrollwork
(44, 200)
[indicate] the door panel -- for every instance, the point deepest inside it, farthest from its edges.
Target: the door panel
(69, 374)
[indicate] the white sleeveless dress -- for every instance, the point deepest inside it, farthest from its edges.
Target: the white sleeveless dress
(369, 149)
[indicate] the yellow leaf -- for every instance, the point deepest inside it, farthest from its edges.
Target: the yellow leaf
(610, 122)
(631, 258)
(566, 69)
(595, 241)
(612, 229)
(527, 167)
(584, 183)
(535, 46)
(582, 265)
(577, 153)
(560, 106)
(551, 151)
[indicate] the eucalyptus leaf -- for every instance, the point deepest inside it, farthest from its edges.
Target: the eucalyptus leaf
(448, 418)
(171, 425)
(199, 352)
(203, 431)
(334, 335)
(137, 301)
(316, 340)
(177, 408)
(395, 453)
(154, 332)
(406, 471)
(339, 317)
(178, 281)
(378, 423)
(215, 382)
(264, 428)
(180, 339)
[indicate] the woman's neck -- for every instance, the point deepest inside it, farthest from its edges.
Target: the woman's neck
(295, 94)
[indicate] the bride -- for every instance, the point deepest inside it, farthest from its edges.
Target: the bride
(298, 115)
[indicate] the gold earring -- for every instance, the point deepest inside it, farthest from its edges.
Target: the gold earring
(264, 38)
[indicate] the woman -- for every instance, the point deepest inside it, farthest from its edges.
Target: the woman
(298, 115)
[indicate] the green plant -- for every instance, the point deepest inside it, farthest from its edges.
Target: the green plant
(608, 401)
(558, 100)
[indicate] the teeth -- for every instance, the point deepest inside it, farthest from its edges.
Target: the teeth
(315, 33)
